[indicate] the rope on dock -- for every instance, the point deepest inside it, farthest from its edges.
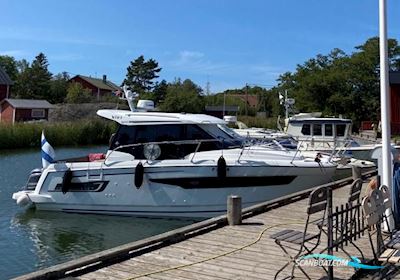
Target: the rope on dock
(298, 222)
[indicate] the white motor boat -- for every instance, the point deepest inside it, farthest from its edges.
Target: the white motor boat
(312, 135)
(328, 135)
(167, 164)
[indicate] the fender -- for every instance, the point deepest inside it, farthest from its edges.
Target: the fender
(221, 168)
(66, 181)
(139, 172)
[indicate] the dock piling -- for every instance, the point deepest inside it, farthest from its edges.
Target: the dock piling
(234, 210)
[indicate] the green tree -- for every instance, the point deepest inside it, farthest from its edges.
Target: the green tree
(183, 97)
(35, 80)
(141, 73)
(9, 64)
(23, 79)
(76, 93)
(59, 85)
(160, 91)
(340, 83)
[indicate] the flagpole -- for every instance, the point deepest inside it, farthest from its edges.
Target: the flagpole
(385, 97)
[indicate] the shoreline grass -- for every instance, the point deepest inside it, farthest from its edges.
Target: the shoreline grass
(27, 135)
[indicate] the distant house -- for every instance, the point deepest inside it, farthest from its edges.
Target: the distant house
(394, 81)
(5, 84)
(22, 110)
(220, 111)
(98, 87)
(251, 100)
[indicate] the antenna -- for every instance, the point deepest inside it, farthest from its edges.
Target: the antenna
(208, 92)
(130, 97)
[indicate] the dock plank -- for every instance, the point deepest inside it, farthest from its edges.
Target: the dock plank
(258, 261)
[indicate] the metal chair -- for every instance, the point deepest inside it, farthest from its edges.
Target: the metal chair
(303, 242)
(373, 209)
(347, 220)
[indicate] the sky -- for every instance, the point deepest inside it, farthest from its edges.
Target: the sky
(227, 43)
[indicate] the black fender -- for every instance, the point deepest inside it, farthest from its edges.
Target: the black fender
(139, 173)
(221, 168)
(66, 181)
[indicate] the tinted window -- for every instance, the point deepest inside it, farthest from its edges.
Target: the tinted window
(328, 130)
(317, 129)
(157, 133)
(161, 133)
(340, 129)
(305, 130)
(124, 136)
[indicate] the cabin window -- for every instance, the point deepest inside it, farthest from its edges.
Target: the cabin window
(38, 113)
(162, 133)
(157, 133)
(124, 136)
(317, 129)
(306, 129)
(340, 129)
(328, 130)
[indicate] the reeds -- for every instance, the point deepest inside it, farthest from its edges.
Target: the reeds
(26, 135)
(260, 122)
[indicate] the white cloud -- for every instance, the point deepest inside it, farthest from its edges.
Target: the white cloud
(187, 56)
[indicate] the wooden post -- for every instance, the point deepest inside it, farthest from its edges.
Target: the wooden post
(356, 170)
(234, 210)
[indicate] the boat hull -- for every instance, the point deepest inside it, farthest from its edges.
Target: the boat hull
(179, 191)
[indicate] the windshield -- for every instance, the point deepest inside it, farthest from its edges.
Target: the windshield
(231, 133)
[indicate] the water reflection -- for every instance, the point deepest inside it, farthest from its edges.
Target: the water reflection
(59, 237)
(30, 240)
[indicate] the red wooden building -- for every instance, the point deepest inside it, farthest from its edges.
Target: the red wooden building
(22, 110)
(394, 80)
(98, 87)
(5, 84)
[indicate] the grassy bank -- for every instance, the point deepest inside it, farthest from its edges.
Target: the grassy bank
(258, 122)
(86, 132)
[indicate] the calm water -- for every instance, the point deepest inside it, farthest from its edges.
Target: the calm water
(31, 240)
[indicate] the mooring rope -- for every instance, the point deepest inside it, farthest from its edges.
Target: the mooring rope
(297, 222)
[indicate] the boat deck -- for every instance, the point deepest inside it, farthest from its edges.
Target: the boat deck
(213, 250)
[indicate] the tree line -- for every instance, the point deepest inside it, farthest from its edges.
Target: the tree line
(335, 83)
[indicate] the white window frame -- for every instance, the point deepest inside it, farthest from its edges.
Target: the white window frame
(35, 115)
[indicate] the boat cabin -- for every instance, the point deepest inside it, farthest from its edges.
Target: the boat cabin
(168, 136)
(327, 129)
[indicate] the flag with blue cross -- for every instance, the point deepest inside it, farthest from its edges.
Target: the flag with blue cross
(48, 153)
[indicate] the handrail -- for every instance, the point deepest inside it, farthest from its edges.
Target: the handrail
(177, 142)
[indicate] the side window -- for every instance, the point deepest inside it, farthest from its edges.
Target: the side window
(328, 130)
(144, 135)
(306, 129)
(124, 136)
(340, 129)
(317, 129)
(167, 132)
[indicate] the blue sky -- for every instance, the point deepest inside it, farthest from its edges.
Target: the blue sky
(228, 43)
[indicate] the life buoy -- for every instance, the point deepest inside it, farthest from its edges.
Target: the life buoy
(66, 181)
(139, 172)
(221, 168)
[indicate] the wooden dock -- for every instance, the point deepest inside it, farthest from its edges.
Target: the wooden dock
(211, 249)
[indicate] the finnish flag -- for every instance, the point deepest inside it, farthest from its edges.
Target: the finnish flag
(48, 154)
